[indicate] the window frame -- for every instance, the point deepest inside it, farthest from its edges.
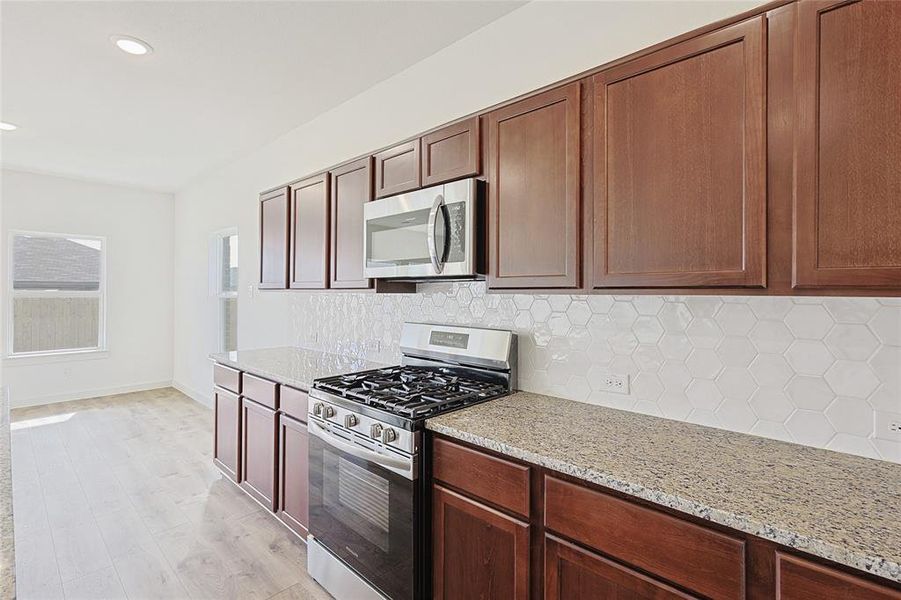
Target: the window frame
(12, 294)
(217, 283)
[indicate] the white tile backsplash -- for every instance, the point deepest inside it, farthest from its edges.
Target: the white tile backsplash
(810, 370)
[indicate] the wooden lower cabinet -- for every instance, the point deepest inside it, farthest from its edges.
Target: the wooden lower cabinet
(578, 541)
(478, 552)
(227, 433)
(258, 457)
(293, 506)
(799, 579)
(572, 573)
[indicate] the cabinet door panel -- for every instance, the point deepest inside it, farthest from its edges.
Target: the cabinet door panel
(274, 239)
(708, 562)
(227, 433)
(351, 188)
(397, 169)
(293, 471)
(571, 573)
(848, 145)
(534, 191)
(309, 233)
(799, 579)
(680, 164)
(258, 451)
(451, 152)
(478, 552)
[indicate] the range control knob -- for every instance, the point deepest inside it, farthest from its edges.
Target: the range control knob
(317, 409)
(350, 421)
(328, 412)
(389, 435)
(375, 431)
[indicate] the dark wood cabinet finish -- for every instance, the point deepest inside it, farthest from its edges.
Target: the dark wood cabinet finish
(848, 145)
(799, 579)
(351, 187)
(259, 433)
(293, 471)
(680, 164)
(708, 562)
(226, 377)
(451, 152)
(262, 391)
(274, 221)
(293, 402)
(309, 233)
(534, 192)
(571, 573)
(478, 552)
(498, 481)
(227, 433)
(397, 169)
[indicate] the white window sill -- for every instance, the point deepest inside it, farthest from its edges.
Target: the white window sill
(53, 357)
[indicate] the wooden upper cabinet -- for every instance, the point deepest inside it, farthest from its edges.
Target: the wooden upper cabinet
(274, 212)
(397, 169)
(534, 191)
(351, 188)
(680, 164)
(847, 228)
(451, 152)
(309, 233)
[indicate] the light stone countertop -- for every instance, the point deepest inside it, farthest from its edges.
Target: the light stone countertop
(297, 367)
(837, 506)
(7, 537)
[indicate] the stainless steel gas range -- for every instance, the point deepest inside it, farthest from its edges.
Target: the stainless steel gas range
(369, 509)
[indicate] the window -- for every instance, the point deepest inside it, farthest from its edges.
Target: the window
(224, 275)
(58, 286)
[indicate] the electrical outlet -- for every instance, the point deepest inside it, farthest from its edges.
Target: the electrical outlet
(888, 426)
(618, 384)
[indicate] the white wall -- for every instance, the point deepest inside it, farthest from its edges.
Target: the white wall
(138, 228)
(533, 46)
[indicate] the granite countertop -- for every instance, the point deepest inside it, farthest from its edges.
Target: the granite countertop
(7, 538)
(837, 506)
(297, 367)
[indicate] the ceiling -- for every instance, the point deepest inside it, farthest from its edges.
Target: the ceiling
(224, 77)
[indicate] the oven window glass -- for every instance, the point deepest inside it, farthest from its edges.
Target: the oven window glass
(359, 498)
(364, 514)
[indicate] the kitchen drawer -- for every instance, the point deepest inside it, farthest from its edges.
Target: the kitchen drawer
(293, 402)
(501, 482)
(700, 559)
(260, 390)
(799, 579)
(227, 378)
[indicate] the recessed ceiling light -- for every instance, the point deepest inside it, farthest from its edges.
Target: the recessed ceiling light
(131, 45)
(7, 126)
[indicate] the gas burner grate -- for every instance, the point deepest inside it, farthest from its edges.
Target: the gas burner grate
(413, 392)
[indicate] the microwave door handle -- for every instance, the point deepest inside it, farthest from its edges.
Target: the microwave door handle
(397, 465)
(437, 263)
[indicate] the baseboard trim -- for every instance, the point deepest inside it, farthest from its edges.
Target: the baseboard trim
(84, 394)
(193, 394)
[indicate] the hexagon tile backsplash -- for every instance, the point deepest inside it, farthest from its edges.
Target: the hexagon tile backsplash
(823, 372)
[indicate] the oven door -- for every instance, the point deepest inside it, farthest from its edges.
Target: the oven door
(362, 508)
(422, 234)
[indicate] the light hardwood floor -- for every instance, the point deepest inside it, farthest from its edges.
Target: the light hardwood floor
(117, 497)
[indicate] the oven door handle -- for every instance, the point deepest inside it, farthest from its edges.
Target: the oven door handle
(437, 263)
(395, 465)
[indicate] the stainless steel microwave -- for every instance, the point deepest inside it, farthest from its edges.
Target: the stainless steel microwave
(427, 234)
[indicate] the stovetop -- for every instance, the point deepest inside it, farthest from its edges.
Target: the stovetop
(411, 392)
